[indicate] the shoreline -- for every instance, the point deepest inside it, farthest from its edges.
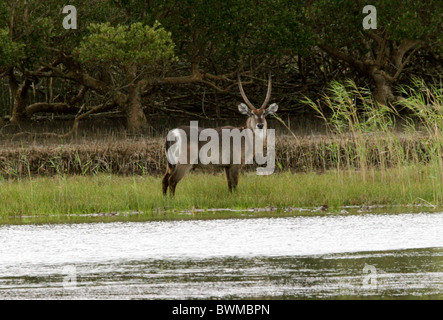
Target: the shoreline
(102, 198)
(216, 214)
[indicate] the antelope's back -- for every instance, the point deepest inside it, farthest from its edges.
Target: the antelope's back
(183, 146)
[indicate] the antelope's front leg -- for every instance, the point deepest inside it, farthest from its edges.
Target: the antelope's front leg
(232, 174)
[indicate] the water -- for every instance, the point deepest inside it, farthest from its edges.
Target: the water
(336, 256)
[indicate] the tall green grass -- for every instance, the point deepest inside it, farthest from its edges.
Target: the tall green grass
(107, 193)
(351, 113)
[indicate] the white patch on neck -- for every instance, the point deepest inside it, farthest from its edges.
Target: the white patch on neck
(260, 133)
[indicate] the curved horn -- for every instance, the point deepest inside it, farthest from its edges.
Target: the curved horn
(243, 94)
(268, 94)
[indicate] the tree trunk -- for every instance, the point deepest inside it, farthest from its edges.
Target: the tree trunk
(19, 115)
(378, 68)
(13, 88)
(136, 118)
(383, 88)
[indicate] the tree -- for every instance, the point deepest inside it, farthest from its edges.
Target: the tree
(121, 57)
(381, 55)
(29, 35)
(133, 51)
(10, 51)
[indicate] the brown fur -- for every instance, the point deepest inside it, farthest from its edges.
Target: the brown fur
(256, 119)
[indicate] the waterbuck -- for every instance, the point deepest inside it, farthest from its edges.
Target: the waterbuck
(256, 128)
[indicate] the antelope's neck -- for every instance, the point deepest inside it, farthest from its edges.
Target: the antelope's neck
(257, 134)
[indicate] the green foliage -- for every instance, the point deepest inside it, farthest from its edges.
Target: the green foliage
(37, 37)
(10, 52)
(285, 29)
(126, 45)
(339, 23)
(31, 26)
(218, 36)
(229, 30)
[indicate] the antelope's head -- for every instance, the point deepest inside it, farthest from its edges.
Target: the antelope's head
(257, 117)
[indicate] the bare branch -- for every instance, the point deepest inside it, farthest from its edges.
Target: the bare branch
(49, 108)
(404, 63)
(337, 54)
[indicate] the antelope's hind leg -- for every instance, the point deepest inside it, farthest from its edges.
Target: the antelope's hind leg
(235, 171)
(165, 182)
(228, 178)
(177, 174)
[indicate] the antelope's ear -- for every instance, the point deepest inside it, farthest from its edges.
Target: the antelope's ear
(271, 109)
(244, 109)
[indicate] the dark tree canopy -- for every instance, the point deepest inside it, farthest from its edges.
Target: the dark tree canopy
(139, 57)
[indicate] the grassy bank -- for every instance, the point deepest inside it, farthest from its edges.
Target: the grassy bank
(364, 159)
(59, 196)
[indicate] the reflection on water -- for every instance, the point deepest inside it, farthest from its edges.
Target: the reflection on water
(390, 256)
